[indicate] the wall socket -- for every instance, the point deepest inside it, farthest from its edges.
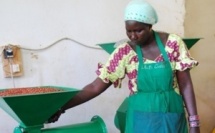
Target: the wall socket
(12, 61)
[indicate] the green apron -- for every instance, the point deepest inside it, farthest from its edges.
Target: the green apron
(156, 107)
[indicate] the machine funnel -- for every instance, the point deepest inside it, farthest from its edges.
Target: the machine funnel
(32, 107)
(190, 41)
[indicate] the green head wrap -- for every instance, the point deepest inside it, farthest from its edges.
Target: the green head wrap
(141, 11)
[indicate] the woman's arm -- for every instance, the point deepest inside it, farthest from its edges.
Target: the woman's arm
(87, 93)
(186, 89)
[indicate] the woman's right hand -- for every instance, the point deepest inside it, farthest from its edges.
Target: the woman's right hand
(55, 116)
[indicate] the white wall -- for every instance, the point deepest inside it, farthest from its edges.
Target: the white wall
(38, 23)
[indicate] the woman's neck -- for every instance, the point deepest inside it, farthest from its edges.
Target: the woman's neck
(150, 39)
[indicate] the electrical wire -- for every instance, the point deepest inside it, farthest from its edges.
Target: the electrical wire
(58, 41)
(5, 66)
(8, 64)
(11, 70)
(10, 60)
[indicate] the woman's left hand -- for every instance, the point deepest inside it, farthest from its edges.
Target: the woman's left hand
(194, 130)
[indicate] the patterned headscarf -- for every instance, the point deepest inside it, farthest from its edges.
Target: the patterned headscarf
(141, 11)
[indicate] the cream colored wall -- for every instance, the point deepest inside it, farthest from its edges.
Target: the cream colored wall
(38, 23)
(199, 22)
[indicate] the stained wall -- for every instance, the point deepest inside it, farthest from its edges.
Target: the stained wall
(199, 22)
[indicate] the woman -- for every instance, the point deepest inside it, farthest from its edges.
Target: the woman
(157, 65)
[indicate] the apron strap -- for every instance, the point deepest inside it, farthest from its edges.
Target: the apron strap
(161, 46)
(139, 54)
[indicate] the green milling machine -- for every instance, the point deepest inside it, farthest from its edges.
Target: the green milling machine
(32, 111)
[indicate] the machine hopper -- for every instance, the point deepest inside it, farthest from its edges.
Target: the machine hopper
(33, 106)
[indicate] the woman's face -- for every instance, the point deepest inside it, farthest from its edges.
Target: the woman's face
(137, 32)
